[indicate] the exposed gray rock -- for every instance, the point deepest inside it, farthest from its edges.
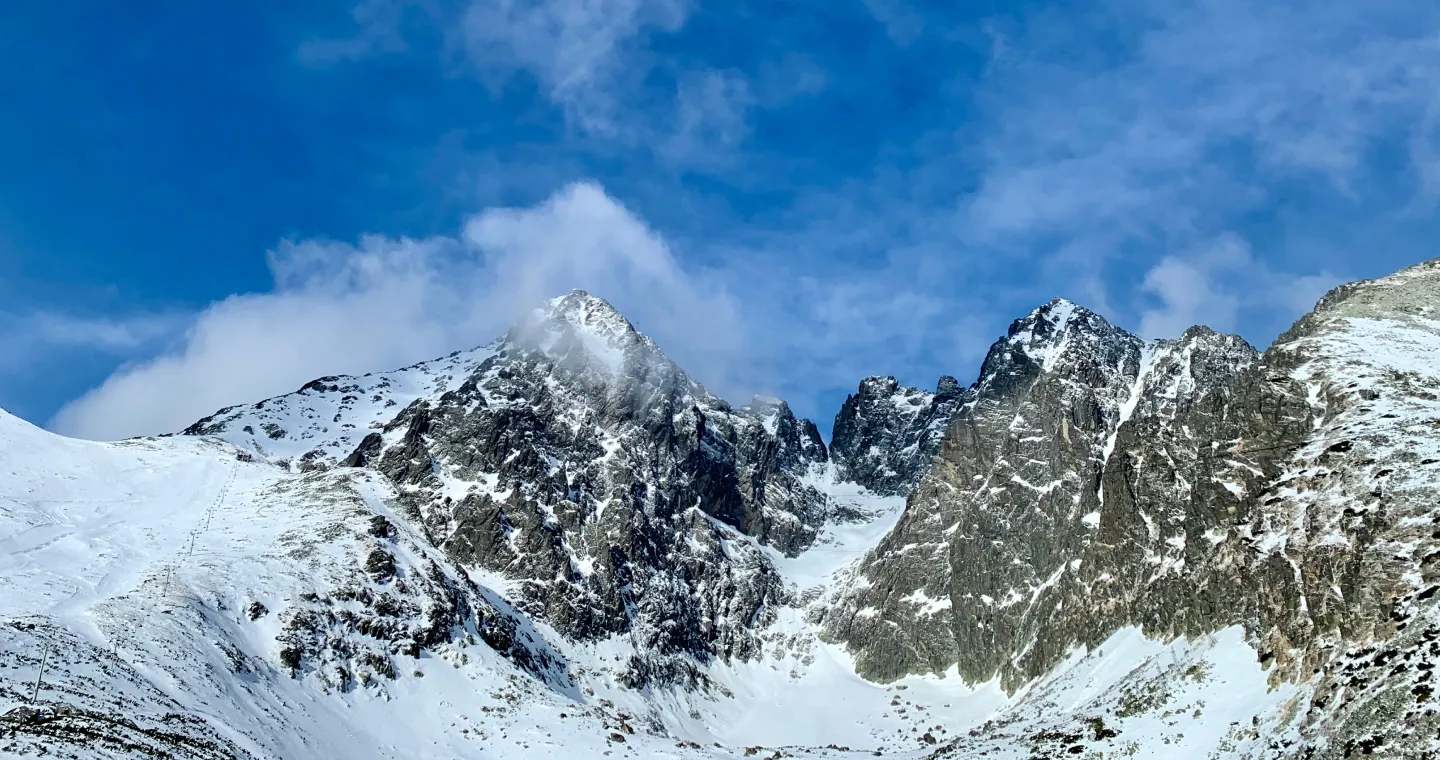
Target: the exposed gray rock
(575, 459)
(1087, 481)
(886, 434)
(999, 516)
(1091, 481)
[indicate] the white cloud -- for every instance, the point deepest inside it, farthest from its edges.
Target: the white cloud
(1189, 294)
(25, 338)
(586, 54)
(384, 303)
(1215, 285)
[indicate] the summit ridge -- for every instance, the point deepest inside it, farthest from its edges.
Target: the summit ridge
(561, 544)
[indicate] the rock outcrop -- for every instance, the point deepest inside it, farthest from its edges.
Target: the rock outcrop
(1092, 481)
(577, 462)
(886, 434)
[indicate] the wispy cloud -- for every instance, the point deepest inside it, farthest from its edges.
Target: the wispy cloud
(26, 339)
(1195, 120)
(1214, 286)
(593, 60)
(710, 118)
(385, 302)
(377, 28)
(1174, 126)
(587, 55)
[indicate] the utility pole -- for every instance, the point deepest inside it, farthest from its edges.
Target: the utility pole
(34, 695)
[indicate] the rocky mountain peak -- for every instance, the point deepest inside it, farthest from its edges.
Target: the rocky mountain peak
(772, 412)
(1130, 537)
(1042, 333)
(584, 331)
(1064, 340)
(1059, 330)
(879, 384)
(798, 446)
(886, 433)
(575, 460)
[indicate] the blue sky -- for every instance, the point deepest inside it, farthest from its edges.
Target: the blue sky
(205, 204)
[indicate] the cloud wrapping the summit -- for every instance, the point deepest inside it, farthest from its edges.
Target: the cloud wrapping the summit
(870, 188)
(383, 303)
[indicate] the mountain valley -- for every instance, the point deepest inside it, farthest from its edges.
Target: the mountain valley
(559, 544)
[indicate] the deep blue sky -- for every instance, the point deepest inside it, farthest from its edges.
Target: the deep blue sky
(788, 196)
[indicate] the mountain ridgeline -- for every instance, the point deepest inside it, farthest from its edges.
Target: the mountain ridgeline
(568, 508)
(1087, 481)
(1090, 481)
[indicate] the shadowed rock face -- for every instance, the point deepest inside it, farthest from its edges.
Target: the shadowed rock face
(1091, 481)
(886, 434)
(1087, 481)
(579, 463)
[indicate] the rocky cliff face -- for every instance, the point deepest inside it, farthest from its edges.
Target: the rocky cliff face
(886, 434)
(604, 489)
(1091, 481)
(1088, 483)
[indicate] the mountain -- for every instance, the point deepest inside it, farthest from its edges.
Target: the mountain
(577, 463)
(560, 545)
(1092, 482)
(886, 434)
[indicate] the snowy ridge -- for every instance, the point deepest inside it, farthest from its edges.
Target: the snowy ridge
(331, 415)
(198, 666)
(560, 545)
(886, 434)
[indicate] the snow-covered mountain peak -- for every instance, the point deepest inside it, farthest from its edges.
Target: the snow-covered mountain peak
(1046, 335)
(1057, 314)
(581, 329)
(589, 313)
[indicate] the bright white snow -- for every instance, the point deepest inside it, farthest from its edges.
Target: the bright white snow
(146, 554)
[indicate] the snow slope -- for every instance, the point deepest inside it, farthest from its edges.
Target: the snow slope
(158, 579)
(560, 545)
